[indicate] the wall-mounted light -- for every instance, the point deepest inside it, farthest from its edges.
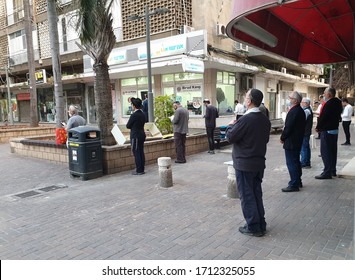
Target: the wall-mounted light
(255, 31)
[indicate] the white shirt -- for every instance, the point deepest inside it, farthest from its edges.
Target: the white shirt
(239, 109)
(347, 113)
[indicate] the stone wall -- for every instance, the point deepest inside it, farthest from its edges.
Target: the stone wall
(115, 158)
(6, 134)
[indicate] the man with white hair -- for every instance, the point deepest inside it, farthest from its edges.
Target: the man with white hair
(306, 150)
(75, 119)
(292, 138)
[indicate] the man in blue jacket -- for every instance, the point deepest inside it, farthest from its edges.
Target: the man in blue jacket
(292, 139)
(249, 136)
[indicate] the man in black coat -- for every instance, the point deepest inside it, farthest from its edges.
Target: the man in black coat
(210, 122)
(136, 125)
(327, 125)
(292, 138)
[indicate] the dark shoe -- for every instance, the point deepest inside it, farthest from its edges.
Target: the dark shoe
(246, 231)
(137, 173)
(334, 174)
(322, 176)
(317, 138)
(346, 144)
(306, 166)
(180, 161)
(211, 152)
(289, 189)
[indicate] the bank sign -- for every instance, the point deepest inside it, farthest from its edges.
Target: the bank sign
(161, 48)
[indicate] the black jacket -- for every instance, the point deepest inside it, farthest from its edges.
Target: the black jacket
(330, 115)
(136, 125)
(293, 132)
(210, 116)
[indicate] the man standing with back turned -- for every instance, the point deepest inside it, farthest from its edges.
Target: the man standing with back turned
(180, 127)
(210, 122)
(249, 137)
(327, 125)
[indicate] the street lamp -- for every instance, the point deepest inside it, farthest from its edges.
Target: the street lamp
(147, 14)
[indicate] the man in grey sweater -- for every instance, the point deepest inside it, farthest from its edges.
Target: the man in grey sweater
(249, 136)
(180, 128)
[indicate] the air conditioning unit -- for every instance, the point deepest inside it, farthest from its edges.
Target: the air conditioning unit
(308, 77)
(187, 29)
(321, 80)
(221, 30)
(302, 76)
(283, 70)
(242, 47)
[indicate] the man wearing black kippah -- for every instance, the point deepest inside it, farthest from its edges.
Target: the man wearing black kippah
(249, 136)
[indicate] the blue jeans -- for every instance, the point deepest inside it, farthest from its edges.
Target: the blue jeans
(306, 152)
(294, 168)
(251, 198)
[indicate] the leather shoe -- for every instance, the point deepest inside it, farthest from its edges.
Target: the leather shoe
(322, 177)
(180, 161)
(306, 166)
(346, 144)
(289, 189)
(244, 230)
(137, 173)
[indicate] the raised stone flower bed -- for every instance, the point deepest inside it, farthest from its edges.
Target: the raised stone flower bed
(16, 131)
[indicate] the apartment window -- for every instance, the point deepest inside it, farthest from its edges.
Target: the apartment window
(17, 42)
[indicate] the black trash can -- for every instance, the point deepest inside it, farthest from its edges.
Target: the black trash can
(85, 152)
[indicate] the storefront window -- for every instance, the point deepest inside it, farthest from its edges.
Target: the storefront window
(133, 87)
(46, 105)
(185, 88)
(92, 105)
(225, 92)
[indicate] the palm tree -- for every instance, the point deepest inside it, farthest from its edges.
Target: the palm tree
(98, 39)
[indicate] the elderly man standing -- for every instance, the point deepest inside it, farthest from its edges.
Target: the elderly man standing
(327, 125)
(292, 139)
(306, 150)
(250, 135)
(180, 128)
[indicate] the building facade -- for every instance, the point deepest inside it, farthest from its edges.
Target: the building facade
(191, 59)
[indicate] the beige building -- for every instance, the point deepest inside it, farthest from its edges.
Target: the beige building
(191, 58)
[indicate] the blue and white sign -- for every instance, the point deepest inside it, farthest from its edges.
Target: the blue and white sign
(117, 56)
(162, 48)
(192, 65)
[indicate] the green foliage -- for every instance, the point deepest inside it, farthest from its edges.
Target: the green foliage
(220, 95)
(163, 109)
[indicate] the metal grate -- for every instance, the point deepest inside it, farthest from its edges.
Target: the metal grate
(52, 188)
(27, 194)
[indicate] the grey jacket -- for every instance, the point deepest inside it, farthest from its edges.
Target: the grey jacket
(180, 120)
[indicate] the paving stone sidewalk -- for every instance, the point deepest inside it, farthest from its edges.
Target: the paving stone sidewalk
(129, 217)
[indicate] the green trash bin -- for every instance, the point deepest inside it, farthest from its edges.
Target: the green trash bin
(85, 152)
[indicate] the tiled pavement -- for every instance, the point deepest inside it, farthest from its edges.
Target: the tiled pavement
(129, 217)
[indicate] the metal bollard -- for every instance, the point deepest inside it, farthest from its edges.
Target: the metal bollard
(165, 172)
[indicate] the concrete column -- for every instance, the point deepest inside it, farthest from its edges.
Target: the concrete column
(165, 172)
(313, 142)
(232, 190)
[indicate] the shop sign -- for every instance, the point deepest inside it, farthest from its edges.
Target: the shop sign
(161, 48)
(189, 88)
(117, 56)
(192, 65)
(23, 96)
(40, 76)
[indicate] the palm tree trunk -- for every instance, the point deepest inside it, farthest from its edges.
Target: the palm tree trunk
(56, 65)
(103, 101)
(31, 65)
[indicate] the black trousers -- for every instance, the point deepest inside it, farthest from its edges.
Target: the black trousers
(180, 146)
(210, 137)
(329, 152)
(346, 127)
(137, 146)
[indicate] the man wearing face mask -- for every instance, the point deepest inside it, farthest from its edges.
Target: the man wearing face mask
(306, 150)
(327, 125)
(249, 136)
(292, 138)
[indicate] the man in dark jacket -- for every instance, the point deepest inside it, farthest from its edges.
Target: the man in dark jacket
(292, 138)
(249, 136)
(136, 125)
(327, 125)
(210, 122)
